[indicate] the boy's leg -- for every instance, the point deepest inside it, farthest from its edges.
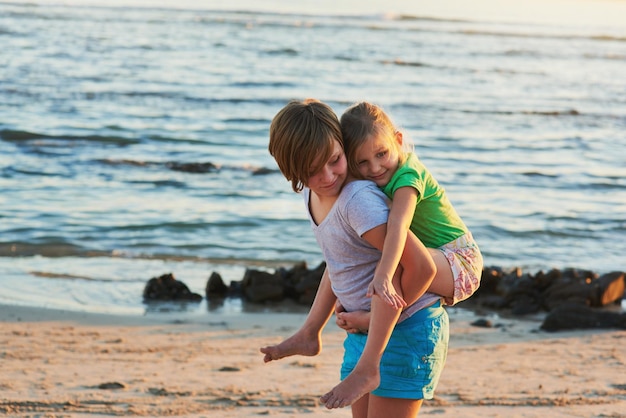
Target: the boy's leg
(307, 341)
(365, 376)
(393, 407)
(360, 407)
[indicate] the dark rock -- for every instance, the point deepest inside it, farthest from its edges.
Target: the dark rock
(192, 167)
(483, 323)
(488, 301)
(309, 283)
(524, 293)
(545, 280)
(570, 316)
(260, 286)
(167, 288)
(216, 287)
(300, 283)
(607, 289)
(235, 288)
(525, 304)
(489, 281)
(263, 171)
(229, 369)
(565, 292)
(578, 275)
(509, 282)
(292, 277)
(111, 385)
(585, 287)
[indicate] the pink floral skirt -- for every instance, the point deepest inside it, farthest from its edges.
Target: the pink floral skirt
(466, 262)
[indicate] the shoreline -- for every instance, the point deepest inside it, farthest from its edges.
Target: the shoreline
(63, 363)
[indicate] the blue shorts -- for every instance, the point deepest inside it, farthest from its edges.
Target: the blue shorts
(414, 358)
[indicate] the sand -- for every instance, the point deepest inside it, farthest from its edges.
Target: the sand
(65, 364)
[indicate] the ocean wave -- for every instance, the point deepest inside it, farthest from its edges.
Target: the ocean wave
(43, 139)
(572, 112)
(283, 51)
(386, 22)
(52, 250)
(609, 56)
(64, 276)
(605, 185)
(256, 84)
(204, 167)
(60, 251)
(416, 18)
(404, 63)
(539, 174)
(24, 172)
(554, 113)
(161, 183)
(539, 35)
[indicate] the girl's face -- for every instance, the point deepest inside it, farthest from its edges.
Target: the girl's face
(328, 180)
(378, 157)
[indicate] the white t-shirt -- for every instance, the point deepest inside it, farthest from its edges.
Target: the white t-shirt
(350, 259)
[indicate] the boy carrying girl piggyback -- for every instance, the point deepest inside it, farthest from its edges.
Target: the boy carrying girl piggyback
(382, 281)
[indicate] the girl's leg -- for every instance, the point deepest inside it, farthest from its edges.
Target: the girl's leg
(379, 407)
(365, 376)
(443, 283)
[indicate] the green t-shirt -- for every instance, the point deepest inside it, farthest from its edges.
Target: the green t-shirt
(435, 221)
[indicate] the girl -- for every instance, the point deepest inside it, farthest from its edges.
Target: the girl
(391, 370)
(374, 149)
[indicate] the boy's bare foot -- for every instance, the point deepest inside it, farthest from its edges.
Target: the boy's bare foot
(354, 322)
(352, 388)
(298, 344)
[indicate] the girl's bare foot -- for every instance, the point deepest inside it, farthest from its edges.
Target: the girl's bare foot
(354, 322)
(299, 343)
(352, 388)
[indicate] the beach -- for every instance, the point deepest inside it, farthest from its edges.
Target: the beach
(133, 144)
(58, 363)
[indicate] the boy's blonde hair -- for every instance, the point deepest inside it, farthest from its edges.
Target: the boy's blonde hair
(358, 123)
(302, 136)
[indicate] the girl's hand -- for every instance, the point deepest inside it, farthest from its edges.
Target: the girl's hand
(356, 322)
(339, 308)
(385, 290)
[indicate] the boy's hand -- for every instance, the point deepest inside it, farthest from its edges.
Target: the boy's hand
(385, 290)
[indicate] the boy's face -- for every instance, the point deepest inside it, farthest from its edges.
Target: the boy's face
(378, 158)
(328, 180)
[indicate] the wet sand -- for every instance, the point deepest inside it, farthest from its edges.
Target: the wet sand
(66, 364)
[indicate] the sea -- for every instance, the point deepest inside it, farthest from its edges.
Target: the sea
(133, 134)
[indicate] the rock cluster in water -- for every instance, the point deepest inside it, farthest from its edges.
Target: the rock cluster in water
(573, 298)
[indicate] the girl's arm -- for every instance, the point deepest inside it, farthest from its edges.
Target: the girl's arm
(398, 224)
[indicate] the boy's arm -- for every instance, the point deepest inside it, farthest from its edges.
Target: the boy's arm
(323, 305)
(398, 224)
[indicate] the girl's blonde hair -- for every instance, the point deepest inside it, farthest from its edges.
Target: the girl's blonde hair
(302, 136)
(358, 123)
